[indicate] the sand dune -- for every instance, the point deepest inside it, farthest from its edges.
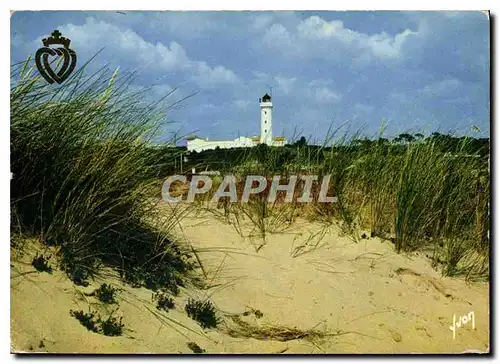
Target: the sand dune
(353, 297)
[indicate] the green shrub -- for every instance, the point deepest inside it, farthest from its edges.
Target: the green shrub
(41, 264)
(106, 293)
(93, 322)
(203, 312)
(88, 320)
(111, 326)
(195, 348)
(163, 301)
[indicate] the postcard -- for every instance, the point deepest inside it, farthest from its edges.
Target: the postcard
(250, 182)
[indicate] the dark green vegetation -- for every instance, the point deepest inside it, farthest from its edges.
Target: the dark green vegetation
(163, 301)
(93, 322)
(106, 293)
(423, 193)
(203, 312)
(257, 313)
(195, 348)
(85, 177)
(41, 264)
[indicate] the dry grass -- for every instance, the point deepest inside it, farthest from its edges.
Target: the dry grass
(243, 329)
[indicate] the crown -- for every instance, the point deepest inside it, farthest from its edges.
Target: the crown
(56, 38)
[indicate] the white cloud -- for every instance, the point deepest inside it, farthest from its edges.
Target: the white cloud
(324, 95)
(242, 104)
(321, 92)
(316, 27)
(317, 92)
(316, 37)
(128, 46)
(184, 24)
(320, 83)
(278, 36)
(441, 88)
(285, 84)
(262, 21)
(91, 36)
(362, 112)
(363, 108)
(207, 77)
(398, 98)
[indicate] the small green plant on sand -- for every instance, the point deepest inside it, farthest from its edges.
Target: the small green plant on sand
(203, 312)
(41, 264)
(111, 326)
(106, 293)
(93, 322)
(163, 301)
(86, 319)
(196, 349)
(257, 313)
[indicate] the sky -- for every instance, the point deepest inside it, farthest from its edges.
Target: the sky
(417, 72)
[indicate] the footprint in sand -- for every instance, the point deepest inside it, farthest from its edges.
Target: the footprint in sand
(422, 328)
(396, 336)
(425, 281)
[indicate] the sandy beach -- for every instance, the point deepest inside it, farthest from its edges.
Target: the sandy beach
(352, 297)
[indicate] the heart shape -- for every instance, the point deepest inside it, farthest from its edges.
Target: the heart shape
(44, 67)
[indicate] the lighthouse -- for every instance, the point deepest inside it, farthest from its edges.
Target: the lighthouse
(266, 120)
(198, 145)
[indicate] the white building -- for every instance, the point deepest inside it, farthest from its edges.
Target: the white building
(197, 144)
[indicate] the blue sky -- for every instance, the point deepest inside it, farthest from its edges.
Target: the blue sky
(417, 71)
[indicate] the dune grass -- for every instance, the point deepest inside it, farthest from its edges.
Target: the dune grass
(84, 175)
(429, 194)
(424, 194)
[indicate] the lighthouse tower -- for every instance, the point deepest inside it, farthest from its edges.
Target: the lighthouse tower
(266, 120)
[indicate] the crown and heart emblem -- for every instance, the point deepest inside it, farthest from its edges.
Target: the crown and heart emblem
(42, 58)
